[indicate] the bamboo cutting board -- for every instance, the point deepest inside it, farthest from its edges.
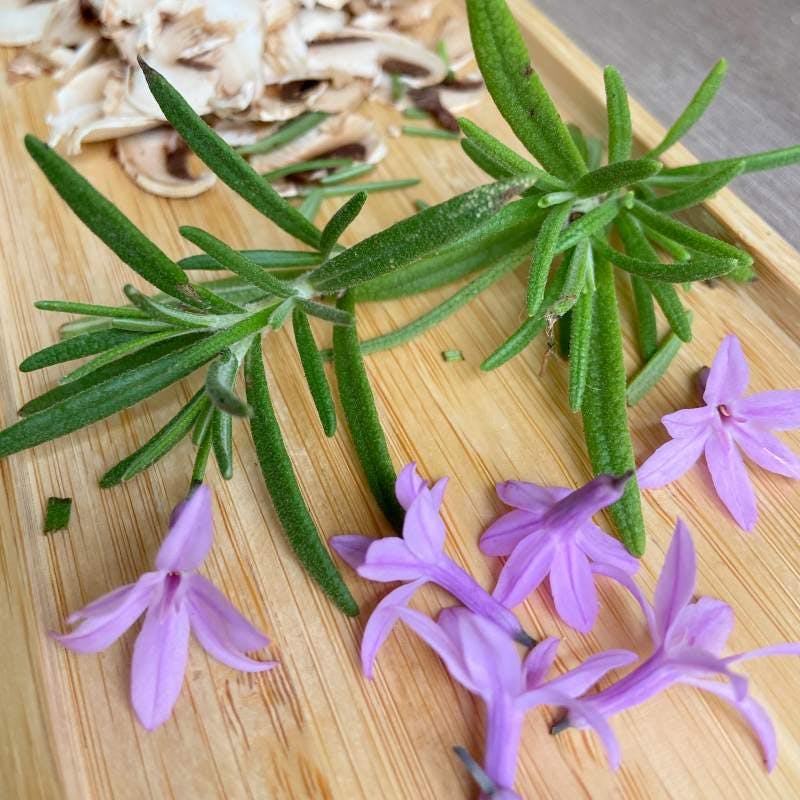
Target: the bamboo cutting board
(315, 728)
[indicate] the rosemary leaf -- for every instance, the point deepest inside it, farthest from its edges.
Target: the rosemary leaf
(203, 423)
(202, 456)
(580, 141)
(273, 260)
(646, 326)
(172, 316)
(340, 222)
(347, 189)
(88, 344)
(220, 379)
(605, 417)
(415, 237)
(615, 176)
(314, 165)
(336, 316)
(237, 262)
(770, 159)
(503, 157)
(429, 133)
(311, 205)
(676, 251)
(697, 192)
(620, 132)
(281, 313)
(483, 160)
(363, 422)
(159, 445)
(109, 224)
(698, 106)
(314, 369)
(655, 368)
(579, 262)
(222, 442)
(579, 347)
(345, 174)
(544, 251)
(57, 514)
(107, 397)
(228, 165)
(282, 486)
(288, 132)
(589, 224)
(518, 91)
(89, 309)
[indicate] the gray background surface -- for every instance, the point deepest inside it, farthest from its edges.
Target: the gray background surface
(664, 48)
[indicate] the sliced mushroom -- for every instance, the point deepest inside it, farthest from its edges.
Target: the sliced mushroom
(23, 22)
(160, 162)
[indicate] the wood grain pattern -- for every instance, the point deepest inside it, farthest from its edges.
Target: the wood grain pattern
(314, 728)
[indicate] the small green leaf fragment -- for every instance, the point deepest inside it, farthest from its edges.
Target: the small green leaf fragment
(287, 133)
(57, 514)
(616, 176)
(429, 133)
(346, 174)
(340, 222)
(452, 355)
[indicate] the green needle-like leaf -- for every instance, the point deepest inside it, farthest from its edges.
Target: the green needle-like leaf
(615, 176)
(173, 316)
(159, 445)
(203, 423)
(220, 380)
(336, 316)
(340, 222)
(580, 347)
(311, 205)
(698, 106)
(288, 132)
(605, 417)
(314, 165)
(222, 442)
(415, 237)
(676, 251)
(769, 159)
(544, 251)
(589, 224)
(228, 165)
(518, 91)
(646, 325)
(346, 174)
(282, 486)
(655, 368)
(237, 262)
(480, 145)
(89, 309)
(202, 456)
(580, 141)
(109, 224)
(620, 132)
(88, 344)
(363, 422)
(103, 399)
(314, 370)
(276, 261)
(697, 192)
(579, 263)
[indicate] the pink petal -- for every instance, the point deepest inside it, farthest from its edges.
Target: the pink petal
(730, 479)
(689, 422)
(190, 535)
(766, 450)
(677, 580)
(436, 637)
(707, 624)
(670, 461)
(778, 410)
(409, 485)
(530, 496)
(572, 585)
(624, 579)
(579, 680)
(525, 569)
(381, 621)
(783, 649)
(539, 662)
(580, 506)
(423, 528)
(159, 663)
(108, 617)
(753, 712)
(692, 659)
(506, 532)
(209, 602)
(390, 559)
(729, 374)
(487, 653)
(605, 549)
(352, 549)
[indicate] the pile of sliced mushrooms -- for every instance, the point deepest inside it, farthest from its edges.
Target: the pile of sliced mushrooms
(248, 66)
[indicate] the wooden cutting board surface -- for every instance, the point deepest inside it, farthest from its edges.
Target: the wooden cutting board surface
(314, 728)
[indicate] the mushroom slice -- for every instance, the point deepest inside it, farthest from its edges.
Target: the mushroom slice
(23, 22)
(346, 135)
(161, 163)
(372, 55)
(336, 99)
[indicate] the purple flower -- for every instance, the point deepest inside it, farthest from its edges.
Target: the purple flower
(550, 532)
(177, 599)
(485, 661)
(688, 638)
(417, 557)
(728, 421)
